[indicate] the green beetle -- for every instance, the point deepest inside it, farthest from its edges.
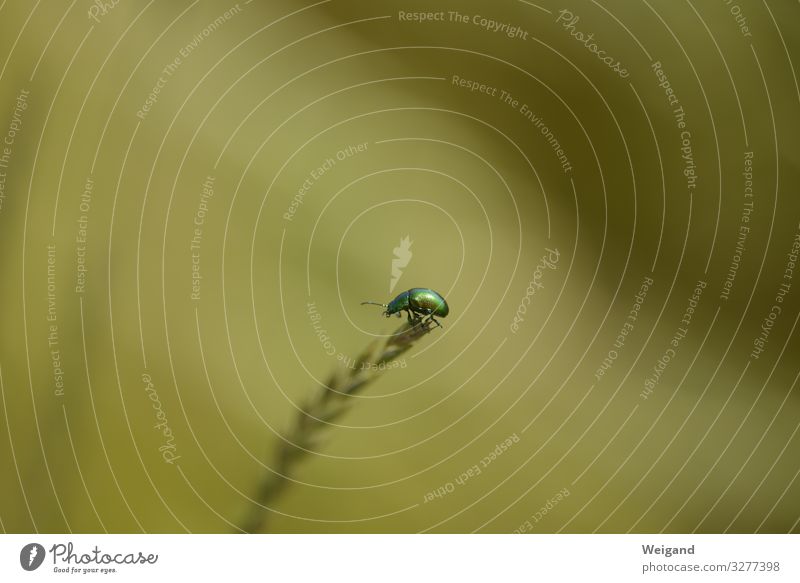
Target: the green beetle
(419, 303)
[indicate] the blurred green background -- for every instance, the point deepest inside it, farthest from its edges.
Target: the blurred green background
(155, 142)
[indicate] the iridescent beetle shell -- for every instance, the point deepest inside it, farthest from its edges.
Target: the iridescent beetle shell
(418, 302)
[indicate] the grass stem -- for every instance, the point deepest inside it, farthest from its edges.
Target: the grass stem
(327, 403)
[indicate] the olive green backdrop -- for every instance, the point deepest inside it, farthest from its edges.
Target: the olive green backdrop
(182, 179)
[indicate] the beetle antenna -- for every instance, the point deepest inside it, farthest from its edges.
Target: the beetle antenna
(374, 304)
